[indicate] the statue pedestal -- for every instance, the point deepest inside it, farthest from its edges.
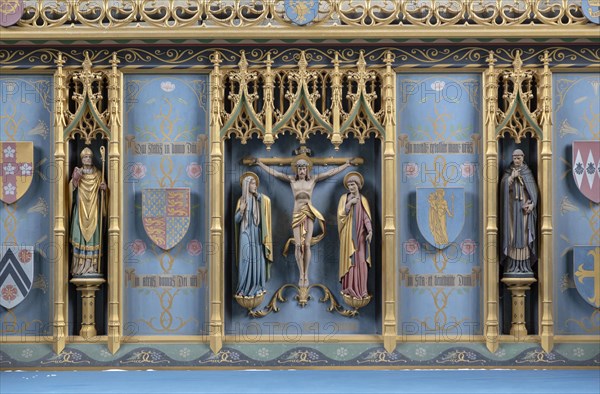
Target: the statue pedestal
(518, 287)
(88, 288)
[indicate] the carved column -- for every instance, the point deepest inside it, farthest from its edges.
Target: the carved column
(390, 331)
(268, 139)
(114, 224)
(217, 180)
(545, 179)
(490, 207)
(336, 102)
(60, 209)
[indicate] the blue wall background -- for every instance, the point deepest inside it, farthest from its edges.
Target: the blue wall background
(576, 219)
(437, 108)
(25, 115)
(166, 108)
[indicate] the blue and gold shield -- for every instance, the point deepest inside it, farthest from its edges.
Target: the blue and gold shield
(166, 215)
(591, 10)
(301, 12)
(16, 274)
(586, 273)
(440, 214)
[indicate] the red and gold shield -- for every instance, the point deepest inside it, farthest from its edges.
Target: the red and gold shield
(166, 215)
(16, 169)
(586, 168)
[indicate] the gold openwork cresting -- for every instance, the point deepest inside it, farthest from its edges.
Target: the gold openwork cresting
(239, 14)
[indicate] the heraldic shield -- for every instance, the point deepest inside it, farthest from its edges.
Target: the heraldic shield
(301, 12)
(440, 214)
(586, 168)
(586, 273)
(16, 170)
(16, 274)
(166, 215)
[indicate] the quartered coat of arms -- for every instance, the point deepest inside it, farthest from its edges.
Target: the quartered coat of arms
(16, 274)
(586, 168)
(440, 214)
(16, 170)
(166, 215)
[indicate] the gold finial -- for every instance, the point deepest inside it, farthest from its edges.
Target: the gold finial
(361, 64)
(243, 64)
(389, 58)
(114, 61)
(215, 58)
(302, 63)
(517, 62)
(491, 59)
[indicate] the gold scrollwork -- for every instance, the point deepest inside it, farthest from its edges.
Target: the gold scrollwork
(302, 297)
(195, 14)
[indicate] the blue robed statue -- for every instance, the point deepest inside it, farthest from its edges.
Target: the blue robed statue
(253, 238)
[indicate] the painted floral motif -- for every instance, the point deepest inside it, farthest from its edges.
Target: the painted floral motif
(26, 169)
(381, 357)
(438, 85)
(223, 357)
(421, 352)
(341, 352)
(66, 357)
(40, 129)
(167, 86)
(567, 206)
(578, 352)
(9, 169)
(25, 255)
(9, 293)
(301, 357)
(105, 353)
(460, 357)
(41, 207)
(9, 152)
(9, 189)
(194, 170)
(194, 247)
(468, 247)
(263, 352)
(145, 357)
(411, 170)
(27, 353)
(138, 170)
(411, 246)
(185, 352)
(501, 352)
(539, 356)
(138, 247)
(468, 169)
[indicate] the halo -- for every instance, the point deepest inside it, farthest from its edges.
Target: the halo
(356, 174)
(247, 174)
(301, 157)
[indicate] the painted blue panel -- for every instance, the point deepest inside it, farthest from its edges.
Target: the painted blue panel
(25, 115)
(439, 133)
(576, 219)
(166, 133)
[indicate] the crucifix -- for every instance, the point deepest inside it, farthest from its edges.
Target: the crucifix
(303, 184)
